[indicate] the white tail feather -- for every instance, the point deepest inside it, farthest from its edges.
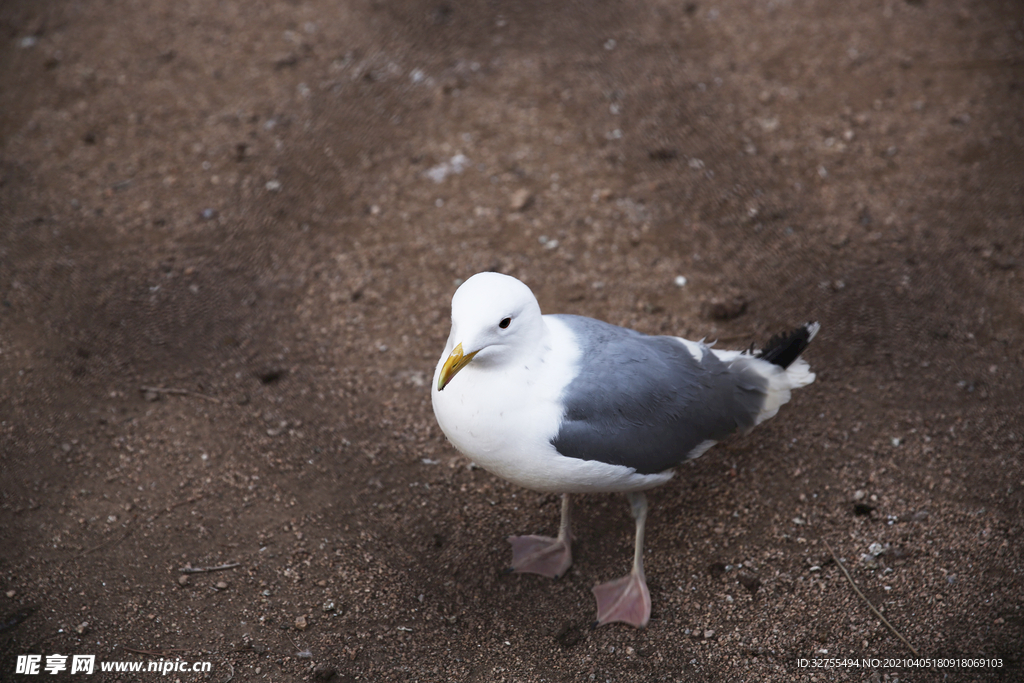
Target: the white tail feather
(780, 382)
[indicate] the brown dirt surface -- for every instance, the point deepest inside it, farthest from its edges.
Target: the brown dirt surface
(262, 205)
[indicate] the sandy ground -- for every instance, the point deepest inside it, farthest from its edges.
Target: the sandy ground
(266, 206)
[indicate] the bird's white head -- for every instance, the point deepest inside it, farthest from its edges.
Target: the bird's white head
(495, 319)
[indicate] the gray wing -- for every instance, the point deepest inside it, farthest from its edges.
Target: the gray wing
(645, 402)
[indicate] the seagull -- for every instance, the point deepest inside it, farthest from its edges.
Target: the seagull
(567, 404)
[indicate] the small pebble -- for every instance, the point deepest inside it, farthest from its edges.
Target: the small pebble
(10, 593)
(724, 308)
(81, 627)
(859, 495)
(220, 585)
(521, 199)
(183, 580)
(300, 623)
(680, 281)
(709, 633)
(273, 185)
(457, 164)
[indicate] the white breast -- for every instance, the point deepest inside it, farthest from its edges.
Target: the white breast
(504, 418)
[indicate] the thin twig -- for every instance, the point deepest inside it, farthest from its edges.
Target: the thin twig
(864, 598)
(110, 541)
(180, 392)
(200, 570)
(232, 673)
(300, 653)
(183, 502)
(173, 507)
(154, 653)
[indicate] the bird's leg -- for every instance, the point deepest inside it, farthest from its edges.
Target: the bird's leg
(627, 599)
(543, 555)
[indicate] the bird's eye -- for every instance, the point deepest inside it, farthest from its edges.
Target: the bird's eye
(505, 322)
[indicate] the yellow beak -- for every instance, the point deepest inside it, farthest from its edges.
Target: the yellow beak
(456, 361)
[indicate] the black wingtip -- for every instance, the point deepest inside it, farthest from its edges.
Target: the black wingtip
(783, 349)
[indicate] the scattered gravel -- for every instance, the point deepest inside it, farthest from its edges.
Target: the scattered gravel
(241, 209)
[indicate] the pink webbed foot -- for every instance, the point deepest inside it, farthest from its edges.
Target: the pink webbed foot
(542, 555)
(625, 599)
